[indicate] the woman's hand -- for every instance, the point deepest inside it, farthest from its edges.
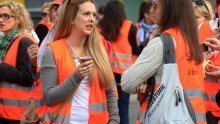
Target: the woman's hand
(215, 71)
(142, 88)
(213, 43)
(85, 68)
(208, 55)
(32, 53)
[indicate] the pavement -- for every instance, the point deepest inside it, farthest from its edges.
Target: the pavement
(133, 109)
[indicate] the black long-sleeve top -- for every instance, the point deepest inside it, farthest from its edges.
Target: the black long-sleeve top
(133, 40)
(24, 73)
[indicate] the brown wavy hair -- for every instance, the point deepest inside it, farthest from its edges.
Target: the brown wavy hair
(114, 15)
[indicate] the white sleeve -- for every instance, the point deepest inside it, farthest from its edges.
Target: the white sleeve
(146, 65)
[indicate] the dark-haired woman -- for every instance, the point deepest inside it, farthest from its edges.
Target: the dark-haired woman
(174, 17)
(122, 35)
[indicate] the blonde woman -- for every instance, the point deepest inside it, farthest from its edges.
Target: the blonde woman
(16, 72)
(203, 11)
(62, 71)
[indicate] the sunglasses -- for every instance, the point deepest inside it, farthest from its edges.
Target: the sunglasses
(199, 2)
(44, 14)
(6, 16)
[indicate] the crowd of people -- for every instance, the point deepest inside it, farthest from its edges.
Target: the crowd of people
(80, 65)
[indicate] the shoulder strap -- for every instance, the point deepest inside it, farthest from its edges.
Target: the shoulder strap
(168, 49)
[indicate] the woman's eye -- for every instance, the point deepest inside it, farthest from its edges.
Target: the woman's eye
(86, 14)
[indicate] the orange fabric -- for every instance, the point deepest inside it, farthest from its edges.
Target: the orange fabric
(191, 75)
(66, 67)
(122, 46)
(211, 87)
(48, 25)
(18, 95)
(205, 31)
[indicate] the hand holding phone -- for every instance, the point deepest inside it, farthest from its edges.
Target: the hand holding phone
(204, 47)
(213, 43)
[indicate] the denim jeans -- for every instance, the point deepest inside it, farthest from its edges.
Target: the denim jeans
(123, 104)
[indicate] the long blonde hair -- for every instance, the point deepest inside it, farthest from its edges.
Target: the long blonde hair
(93, 45)
(205, 10)
(21, 14)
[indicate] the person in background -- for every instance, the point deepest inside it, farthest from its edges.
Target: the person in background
(16, 73)
(214, 44)
(145, 25)
(202, 12)
(45, 24)
(122, 35)
(189, 58)
(100, 13)
(36, 53)
(87, 84)
(209, 28)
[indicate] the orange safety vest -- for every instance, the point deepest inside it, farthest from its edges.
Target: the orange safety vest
(48, 25)
(191, 78)
(121, 55)
(212, 85)
(205, 31)
(98, 113)
(15, 98)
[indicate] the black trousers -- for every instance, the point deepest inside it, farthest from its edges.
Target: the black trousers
(211, 119)
(7, 121)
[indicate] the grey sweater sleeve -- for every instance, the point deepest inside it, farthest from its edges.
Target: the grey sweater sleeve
(146, 65)
(112, 106)
(52, 92)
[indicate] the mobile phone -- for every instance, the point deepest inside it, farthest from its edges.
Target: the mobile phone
(204, 47)
(84, 58)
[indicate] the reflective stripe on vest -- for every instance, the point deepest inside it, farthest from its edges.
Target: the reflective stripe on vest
(212, 80)
(18, 103)
(98, 107)
(6, 85)
(194, 93)
(121, 54)
(97, 99)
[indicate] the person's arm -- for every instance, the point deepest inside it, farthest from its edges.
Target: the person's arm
(213, 43)
(133, 40)
(112, 106)
(147, 64)
(52, 92)
(22, 74)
